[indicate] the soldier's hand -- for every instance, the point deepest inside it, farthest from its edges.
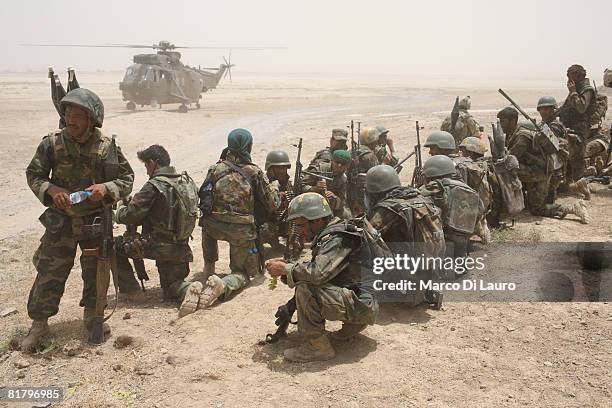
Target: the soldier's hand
(321, 186)
(276, 267)
(329, 195)
(60, 197)
(571, 86)
(98, 191)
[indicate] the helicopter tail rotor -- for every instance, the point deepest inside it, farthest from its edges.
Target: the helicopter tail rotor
(228, 65)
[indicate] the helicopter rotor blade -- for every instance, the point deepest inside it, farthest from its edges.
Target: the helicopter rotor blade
(87, 45)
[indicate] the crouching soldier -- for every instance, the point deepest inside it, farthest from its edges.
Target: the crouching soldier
(337, 283)
(167, 209)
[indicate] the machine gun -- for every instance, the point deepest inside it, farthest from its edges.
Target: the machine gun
(398, 167)
(548, 141)
(418, 178)
(102, 226)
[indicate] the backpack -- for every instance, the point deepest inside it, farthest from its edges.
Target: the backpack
(182, 202)
(510, 184)
(205, 195)
(464, 207)
(600, 107)
(474, 174)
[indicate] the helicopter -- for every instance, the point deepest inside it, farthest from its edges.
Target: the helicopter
(161, 78)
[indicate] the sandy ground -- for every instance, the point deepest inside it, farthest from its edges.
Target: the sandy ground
(468, 354)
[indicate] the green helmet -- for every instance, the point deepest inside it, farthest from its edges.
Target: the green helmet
(382, 130)
(473, 144)
(277, 158)
(441, 139)
(87, 100)
(381, 178)
(546, 101)
(368, 135)
(311, 206)
(438, 166)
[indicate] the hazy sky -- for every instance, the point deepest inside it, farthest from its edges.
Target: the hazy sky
(465, 38)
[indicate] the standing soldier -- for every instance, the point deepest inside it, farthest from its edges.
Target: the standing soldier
(240, 200)
(277, 166)
(465, 126)
(79, 157)
(461, 207)
(337, 141)
(332, 285)
(384, 141)
(335, 190)
(167, 208)
(534, 168)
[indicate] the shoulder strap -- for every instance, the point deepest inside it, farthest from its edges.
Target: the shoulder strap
(238, 169)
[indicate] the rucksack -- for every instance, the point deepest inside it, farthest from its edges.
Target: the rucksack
(474, 174)
(600, 107)
(183, 204)
(464, 207)
(510, 184)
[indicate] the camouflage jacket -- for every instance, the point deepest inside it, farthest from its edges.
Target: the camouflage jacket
(534, 164)
(385, 157)
(321, 156)
(466, 126)
(330, 258)
(578, 108)
(367, 159)
(234, 196)
(338, 186)
(62, 162)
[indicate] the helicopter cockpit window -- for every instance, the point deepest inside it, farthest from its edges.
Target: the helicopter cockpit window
(135, 72)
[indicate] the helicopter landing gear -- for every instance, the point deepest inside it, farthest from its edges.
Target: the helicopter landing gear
(182, 108)
(130, 106)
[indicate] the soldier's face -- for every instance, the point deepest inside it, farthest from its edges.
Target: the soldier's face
(77, 122)
(151, 167)
(279, 172)
(337, 144)
(338, 168)
(507, 125)
(546, 112)
(309, 229)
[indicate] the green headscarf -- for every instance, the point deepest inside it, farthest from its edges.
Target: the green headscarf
(238, 142)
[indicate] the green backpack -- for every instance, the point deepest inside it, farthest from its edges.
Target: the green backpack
(183, 203)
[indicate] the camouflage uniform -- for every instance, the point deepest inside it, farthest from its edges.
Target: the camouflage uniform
(233, 219)
(380, 151)
(154, 207)
(559, 175)
(367, 160)
(466, 126)
(271, 230)
(330, 286)
(62, 162)
(338, 187)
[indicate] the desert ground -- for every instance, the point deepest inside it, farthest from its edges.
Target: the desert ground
(469, 354)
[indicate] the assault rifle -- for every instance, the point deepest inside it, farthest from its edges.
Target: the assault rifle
(58, 91)
(418, 178)
(355, 185)
(454, 115)
(318, 175)
(106, 263)
(398, 167)
(131, 233)
(605, 180)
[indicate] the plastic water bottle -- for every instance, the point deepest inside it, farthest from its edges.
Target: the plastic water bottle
(79, 196)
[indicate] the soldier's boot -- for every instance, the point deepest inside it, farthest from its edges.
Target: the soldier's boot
(581, 187)
(317, 349)
(577, 208)
(29, 343)
(192, 299)
(209, 269)
(89, 313)
(347, 332)
(214, 288)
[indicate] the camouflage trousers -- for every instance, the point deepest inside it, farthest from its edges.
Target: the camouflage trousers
(244, 253)
(536, 194)
(53, 261)
(316, 304)
(172, 272)
(555, 181)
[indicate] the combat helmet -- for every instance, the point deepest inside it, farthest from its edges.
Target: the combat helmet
(547, 101)
(381, 178)
(87, 100)
(311, 206)
(368, 135)
(440, 139)
(277, 158)
(383, 130)
(473, 144)
(438, 166)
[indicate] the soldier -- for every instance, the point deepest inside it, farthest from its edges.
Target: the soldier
(461, 207)
(337, 141)
(561, 178)
(332, 285)
(277, 165)
(466, 125)
(385, 141)
(166, 207)
(535, 168)
(79, 157)
(408, 222)
(335, 190)
(241, 200)
(366, 159)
